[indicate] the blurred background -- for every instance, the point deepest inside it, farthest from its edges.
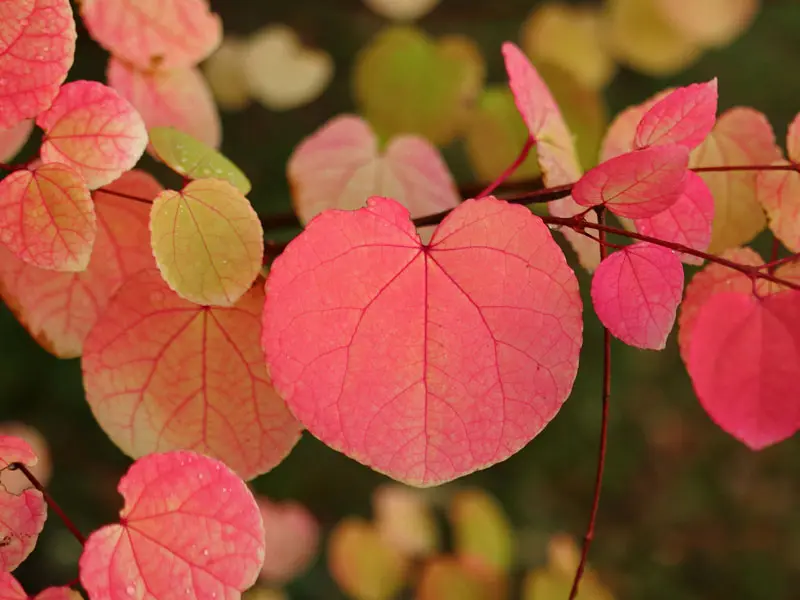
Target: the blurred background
(687, 512)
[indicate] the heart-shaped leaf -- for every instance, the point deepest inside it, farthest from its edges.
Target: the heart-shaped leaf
(47, 217)
(162, 373)
(37, 47)
(94, 130)
(193, 519)
(207, 241)
(340, 166)
(708, 22)
(395, 353)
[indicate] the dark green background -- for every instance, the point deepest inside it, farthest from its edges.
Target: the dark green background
(687, 512)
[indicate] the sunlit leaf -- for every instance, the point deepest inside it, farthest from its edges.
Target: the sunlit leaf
(495, 136)
(364, 565)
(636, 292)
(445, 578)
(13, 139)
(59, 309)
(94, 130)
(684, 116)
(742, 136)
(194, 159)
(47, 218)
(154, 33)
(37, 46)
(621, 132)
(406, 82)
(207, 241)
(340, 166)
(402, 10)
(397, 355)
(10, 589)
(641, 37)
(281, 73)
(292, 540)
(225, 73)
(744, 362)
(554, 144)
(193, 519)
(162, 373)
(482, 531)
(686, 222)
(405, 519)
(709, 22)
(570, 37)
(14, 449)
(177, 98)
(637, 184)
(36, 456)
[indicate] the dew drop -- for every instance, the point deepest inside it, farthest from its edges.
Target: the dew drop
(200, 476)
(205, 552)
(129, 590)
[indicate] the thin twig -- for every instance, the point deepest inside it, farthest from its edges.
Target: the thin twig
(510, 170)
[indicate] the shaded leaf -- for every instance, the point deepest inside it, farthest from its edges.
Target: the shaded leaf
(636, 292)
(177, 98)
(194, 520)
(482, 532)
(94, 130)
(162, 373)
(225, 73)
(291, 542)
(445, 578)
(709, 22)
(405, 519)
(59, 309)
(47, 217)
(37, 47)
(193, 159)
(207, 241)
(340, 166)
(415, 367)
(402, 10)
(147, 34)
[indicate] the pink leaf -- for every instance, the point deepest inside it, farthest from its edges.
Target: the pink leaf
(59, 309)
(177, 98)
(39, 464)
(150, 34)
(622, 130)
(47, 218)
(93, 129)
(292, 540)
(636, 292)
(713, 279)
(686, 222)
(555, 147)
(425, 362)
(744, 361)
(162, 373)
(638, 184)
(684, 117)
(10, 589)
(58, 593)
(340, 166)
(15, 450)
(37, 46)
(190, 528)
(13, 139)
(779, 194)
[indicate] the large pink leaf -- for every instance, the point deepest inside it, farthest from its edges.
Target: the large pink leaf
(555, 147)
(291, 542)
(59, 309)
(152, 34)
(93, 129)
(425, 362)
(47, 218)
(13, 139)
(637, 184)
(37, 46)
(744, 361)
(686, 222)
(162, 373)
(685, 117)
(636, 292)
(340, 166)
(177, 98)
(190, 528)
(713, 279)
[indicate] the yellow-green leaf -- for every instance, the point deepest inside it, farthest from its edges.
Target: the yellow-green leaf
(207, 241)
(193, 159)
(495, 136)
(446, 578)
(481, 529)
(406, 82)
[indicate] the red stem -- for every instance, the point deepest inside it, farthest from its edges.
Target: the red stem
(510, 170)
(50, 502)
(789, 167)
(781, 261)
(601, 458)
